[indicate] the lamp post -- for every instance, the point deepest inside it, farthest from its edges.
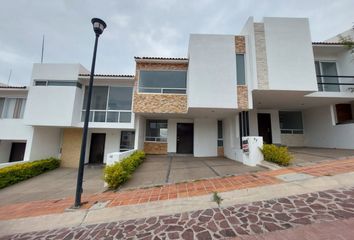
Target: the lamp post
(98, 27)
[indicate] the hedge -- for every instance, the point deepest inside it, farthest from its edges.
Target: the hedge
(118, 173)
(275, 154)
(22, 171)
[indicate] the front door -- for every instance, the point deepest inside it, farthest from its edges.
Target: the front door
(185, 138)
(265, 127)
(97, 148)
(17, 152)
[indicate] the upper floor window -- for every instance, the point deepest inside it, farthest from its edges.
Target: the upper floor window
(163, 82)
(291, 122)
(220, 134)
(240, 69)
(156, 130)
(327, 76)
(57, 83)
(344, 113)
(12, 107)
(109, 104)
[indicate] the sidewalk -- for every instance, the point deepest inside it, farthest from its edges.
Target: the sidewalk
(243, 212)
(174, 191)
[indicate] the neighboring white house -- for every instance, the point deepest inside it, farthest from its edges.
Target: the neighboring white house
(271, 80)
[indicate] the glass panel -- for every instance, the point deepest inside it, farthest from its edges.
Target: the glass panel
(99, 98)
(330, 68)
(40, 83)
(176, 91)
(125, 117)
(150, 90)
(156, 130)
(127, 140)
(318, 72)
(83, 116)
(240, 69)
(112, 116)
(9, 108)
(62, 83)
(2, 102)
(290, 120)
(23, 106)
(220, 143)
(99, 116)
(220, 129)
(163, 79)
(120, 98)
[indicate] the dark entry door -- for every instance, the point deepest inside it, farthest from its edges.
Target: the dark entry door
(265, 127)
(184, 137)
(17, 152)
(97, 148)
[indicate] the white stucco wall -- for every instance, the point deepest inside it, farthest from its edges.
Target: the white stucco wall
(172, 133)
(139, 132)
(14, 129)
(5, 149)
(205, 137)
(45, 143)
(289, 54)
(320, 132)
(231, 137)
(212, 61)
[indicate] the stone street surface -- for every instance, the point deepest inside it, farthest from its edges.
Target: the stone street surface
(241, 220)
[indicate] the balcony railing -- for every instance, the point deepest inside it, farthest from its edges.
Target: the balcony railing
(292, 131)
(109, 116)
(329, 83)
(162, 90)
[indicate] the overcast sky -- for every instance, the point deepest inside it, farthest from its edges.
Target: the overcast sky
(138, 28)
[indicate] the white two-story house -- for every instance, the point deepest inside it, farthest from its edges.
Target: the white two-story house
(270, 80)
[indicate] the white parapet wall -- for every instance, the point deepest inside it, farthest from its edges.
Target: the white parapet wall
(251, 153)
(118, 156)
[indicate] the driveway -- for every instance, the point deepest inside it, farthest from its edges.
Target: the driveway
(159, 170)
(55, 184)
(305, 156)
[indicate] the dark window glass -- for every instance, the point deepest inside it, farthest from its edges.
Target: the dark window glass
(156, 130)
(240, 69)
(112, 117)
(344, 113)
(291, 122)
(120, 98)
(155, 81)
(40, 83)
(125, 117)
(2, 101)
(127, 140)
(220, 134)
(99, 98)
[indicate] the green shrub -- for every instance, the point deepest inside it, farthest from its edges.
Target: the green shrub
(118, 173)
(275, 154)
(22, 171)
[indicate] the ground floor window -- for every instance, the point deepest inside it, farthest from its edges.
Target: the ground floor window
(220, 134)
(156, 130)
(344, 113)
(127, 140)
(291, 122)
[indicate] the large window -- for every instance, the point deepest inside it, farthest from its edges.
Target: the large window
(163, 82)
(57, 83)
(240, 69)
(109, 104)
(291, 122)
(344, 113)
(220, 134)
(126, 141)
(12, 107)
(156, 130)
(327, 76)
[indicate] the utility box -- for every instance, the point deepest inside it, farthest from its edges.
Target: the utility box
(251, 150)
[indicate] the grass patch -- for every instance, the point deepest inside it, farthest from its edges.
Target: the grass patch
(22, 171)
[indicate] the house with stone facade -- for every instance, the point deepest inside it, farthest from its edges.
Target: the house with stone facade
(269, 80)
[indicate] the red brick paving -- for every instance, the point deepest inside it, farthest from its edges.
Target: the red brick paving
(173, 191)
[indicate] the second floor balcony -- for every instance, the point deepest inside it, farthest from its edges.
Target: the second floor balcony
(340, 83)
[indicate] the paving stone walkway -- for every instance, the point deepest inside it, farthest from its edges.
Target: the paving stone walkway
(239, 220)
(174, 191)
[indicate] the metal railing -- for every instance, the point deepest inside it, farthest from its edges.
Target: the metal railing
(110, 116)
(155, 139)
(162, 90)
(292, 131)
(336, 85)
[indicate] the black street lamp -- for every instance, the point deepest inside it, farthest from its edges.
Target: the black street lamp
(98, 27)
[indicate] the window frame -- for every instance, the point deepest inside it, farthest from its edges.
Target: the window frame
(19, 108)
(220, 141)
(351, 121)
(321, 87)
(151, 137)
(161, 92)
(291, 130)
(244, 69)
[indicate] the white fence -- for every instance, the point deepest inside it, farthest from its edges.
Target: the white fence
(118, 156)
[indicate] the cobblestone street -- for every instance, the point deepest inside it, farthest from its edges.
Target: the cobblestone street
(239, 220)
